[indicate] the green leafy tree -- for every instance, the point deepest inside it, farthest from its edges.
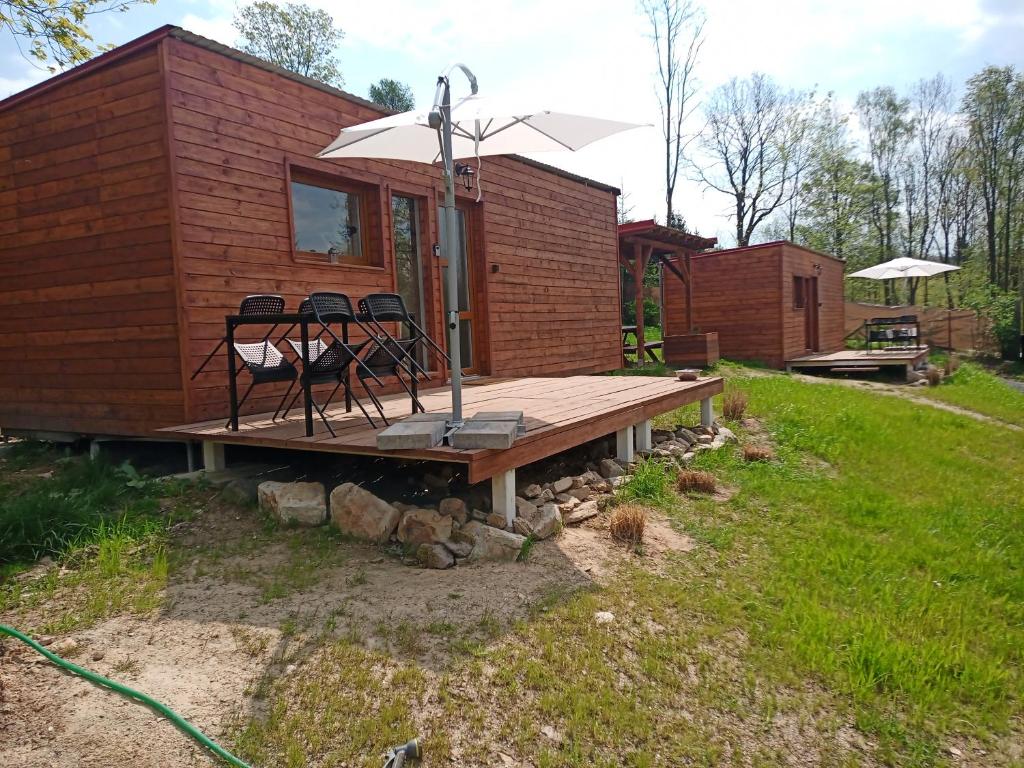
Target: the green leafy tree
(293, 36)
(393, 95)
(56, 30)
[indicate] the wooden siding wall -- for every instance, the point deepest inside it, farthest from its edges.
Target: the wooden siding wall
(552, 303)
(831, 310)
(88, 339)
(746, 295)
(736, 294)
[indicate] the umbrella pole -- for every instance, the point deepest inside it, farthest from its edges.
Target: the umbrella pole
(441, 119)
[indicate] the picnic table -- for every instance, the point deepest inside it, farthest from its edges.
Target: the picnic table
(630, 348)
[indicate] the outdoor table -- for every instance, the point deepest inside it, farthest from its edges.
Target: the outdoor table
(649, 346)
(880, 323)
(302, 320)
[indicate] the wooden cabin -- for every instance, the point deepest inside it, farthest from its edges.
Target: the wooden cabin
(768, 303)
(144, 193)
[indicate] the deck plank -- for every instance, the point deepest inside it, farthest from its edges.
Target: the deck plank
(560, 414)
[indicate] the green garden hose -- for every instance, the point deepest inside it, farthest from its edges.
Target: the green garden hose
(181, 723)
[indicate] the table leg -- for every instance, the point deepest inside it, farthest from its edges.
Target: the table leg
(348, 378)
(232, 374)
(307, 394)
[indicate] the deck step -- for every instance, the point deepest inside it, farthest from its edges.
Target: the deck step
(855, 369)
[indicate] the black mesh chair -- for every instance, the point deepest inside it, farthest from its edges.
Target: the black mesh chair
(380, 308)
(330, 356)
(258, 304)
(266, 365)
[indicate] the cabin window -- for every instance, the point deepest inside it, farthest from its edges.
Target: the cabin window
(330, 221)
(799, 292)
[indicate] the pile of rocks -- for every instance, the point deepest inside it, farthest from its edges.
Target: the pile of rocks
(455, 532)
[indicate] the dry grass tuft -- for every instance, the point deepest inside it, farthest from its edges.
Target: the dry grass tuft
(627, 523)
(757, 453)
(734, 404)
(696, 481)
(934, 376)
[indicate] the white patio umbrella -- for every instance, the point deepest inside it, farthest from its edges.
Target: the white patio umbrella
(904, 267)
(471, 127)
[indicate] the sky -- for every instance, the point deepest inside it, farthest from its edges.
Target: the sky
(595, 57)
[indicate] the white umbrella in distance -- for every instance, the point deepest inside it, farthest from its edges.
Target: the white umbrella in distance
(903, 267)
(471, 127)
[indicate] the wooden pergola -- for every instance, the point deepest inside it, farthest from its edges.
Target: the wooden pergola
(642, 241)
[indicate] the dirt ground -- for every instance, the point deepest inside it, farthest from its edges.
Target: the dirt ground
(218, 637)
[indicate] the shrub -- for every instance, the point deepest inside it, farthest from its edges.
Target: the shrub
(734, 404)
(695, 481)
(652, 313)
(650, 483)
(627, 523)
(933, 375)
(757, 453)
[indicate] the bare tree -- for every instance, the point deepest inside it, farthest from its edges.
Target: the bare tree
(677, 29)
(883, 115)
(749, 143)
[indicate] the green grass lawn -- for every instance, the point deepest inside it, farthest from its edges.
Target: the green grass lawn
(972, 387)
(858, 599)
(871, 574)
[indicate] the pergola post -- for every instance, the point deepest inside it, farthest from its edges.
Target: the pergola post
(639, 264)
(689, 292)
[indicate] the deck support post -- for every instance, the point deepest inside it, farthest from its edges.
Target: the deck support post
(503, 495)
(94, 449)
(190, 456)
(707, 412)
(624, 444)
(643, 435)
(213, 456)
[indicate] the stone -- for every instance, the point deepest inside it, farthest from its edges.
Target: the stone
(584, 511)
(358, 513)
(705, 439)
(301, 503)
(477, 514)
(525, 508)
(661, 435)
(547, 523)
(685, 436)
(485, 434)
(617, 482)
(66, 647)
(98, 654)
(492, 543)
(435, 556)
(496, 520)
(454, 507)
(561, 485)
(566, 502)
(610, 468)
(546, 495)
(604, 617)
(424, 526)
(578, 482)
(242, 491)
(603, 486)
(411, 435)
(582, 493)
(532, 491)
(460, 548)
(590, 477)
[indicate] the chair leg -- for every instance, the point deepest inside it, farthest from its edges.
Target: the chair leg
(281, 404)
(355, 399)
(241, 402)
(377, 403)
(291, 404)
(323, 417)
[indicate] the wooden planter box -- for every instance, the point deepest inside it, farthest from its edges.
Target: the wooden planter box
(694, 350)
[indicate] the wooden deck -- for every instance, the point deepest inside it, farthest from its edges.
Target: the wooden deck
(560, 414)
(861, 359)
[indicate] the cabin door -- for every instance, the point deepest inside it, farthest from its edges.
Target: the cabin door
(811, 314)
(469, 318)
